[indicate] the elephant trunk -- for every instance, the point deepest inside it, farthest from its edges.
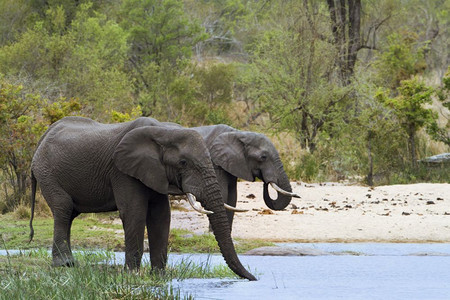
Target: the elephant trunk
(212, 201)
(283, 182)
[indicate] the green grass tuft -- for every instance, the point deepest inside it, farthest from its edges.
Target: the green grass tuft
(29, 275)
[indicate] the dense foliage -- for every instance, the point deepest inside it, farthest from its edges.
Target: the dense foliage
(344, 88)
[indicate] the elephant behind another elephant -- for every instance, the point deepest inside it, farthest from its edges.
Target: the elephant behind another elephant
(247, 155)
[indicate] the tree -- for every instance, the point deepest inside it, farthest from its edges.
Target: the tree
(215, 90)
(23, 119)
(400, 58)
(159, 30)
(442, 133)
(409, 110)
(162, 38)
(93, 68)
(15, 15)
(346, 26)
(291, 77)
(85, 61)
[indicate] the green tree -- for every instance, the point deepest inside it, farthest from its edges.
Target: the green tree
(291, 77)
(409, 110)
(373, 138)
(85, 61)
(171, 91)
(23, 119)
(15, 15)
(215, 89)
(161, 36)
(93, 68)
(401, 58)
(159, 30)
(442, 133)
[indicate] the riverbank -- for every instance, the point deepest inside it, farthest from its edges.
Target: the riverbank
(333, 212)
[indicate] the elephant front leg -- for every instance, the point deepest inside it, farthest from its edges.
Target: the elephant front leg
(134, 227)
(158, 228)
(131, 198)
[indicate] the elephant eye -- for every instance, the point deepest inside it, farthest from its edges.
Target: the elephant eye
(263, 157)
(182, 163)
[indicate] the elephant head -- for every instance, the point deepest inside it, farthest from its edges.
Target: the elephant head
(248, 155)
(166, 156)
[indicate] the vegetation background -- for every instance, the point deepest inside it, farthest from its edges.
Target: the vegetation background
(346, 89)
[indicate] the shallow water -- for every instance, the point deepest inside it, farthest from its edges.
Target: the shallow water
(379, 271)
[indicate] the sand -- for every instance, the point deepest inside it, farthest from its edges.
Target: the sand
(334, 212)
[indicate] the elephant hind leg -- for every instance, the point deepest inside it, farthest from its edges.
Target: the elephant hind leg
(158, 228)
(63, 214)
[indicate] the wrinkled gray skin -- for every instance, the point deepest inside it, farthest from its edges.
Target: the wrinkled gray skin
(84, 166)
(247, 155)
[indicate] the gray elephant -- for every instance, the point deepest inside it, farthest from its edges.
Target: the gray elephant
(85, 166)
(247, 155)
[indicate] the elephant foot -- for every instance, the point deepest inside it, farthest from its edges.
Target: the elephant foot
(159, 271)
(64, 262)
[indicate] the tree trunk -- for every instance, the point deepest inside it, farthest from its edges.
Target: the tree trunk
(369, 154)
(412, 144)
(346, 26)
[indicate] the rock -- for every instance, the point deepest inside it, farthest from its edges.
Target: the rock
(430, 202)
(250, 196)
(429, 254)
(437, 160)
(266, 212)
(286, 251)
(187, 236)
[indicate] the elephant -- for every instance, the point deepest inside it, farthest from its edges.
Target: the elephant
(84, 166)
(247, 155)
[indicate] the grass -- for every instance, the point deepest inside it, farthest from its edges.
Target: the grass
(99, 231)
(29, 275)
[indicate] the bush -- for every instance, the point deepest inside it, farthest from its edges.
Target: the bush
(308, 169)
(22, 212)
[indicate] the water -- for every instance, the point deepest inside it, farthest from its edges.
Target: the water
(379, 271)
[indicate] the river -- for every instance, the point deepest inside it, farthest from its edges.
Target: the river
(345, 271)
(378, 271)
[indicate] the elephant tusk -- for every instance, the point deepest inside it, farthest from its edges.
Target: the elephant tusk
(280, 190)
(232, 208)
(193, 203)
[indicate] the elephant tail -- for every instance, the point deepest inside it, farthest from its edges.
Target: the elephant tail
(33, 201)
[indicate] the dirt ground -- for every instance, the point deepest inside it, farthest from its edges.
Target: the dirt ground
(334, 212)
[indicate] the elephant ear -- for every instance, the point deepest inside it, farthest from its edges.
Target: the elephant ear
(228, 152)
(140, 156)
